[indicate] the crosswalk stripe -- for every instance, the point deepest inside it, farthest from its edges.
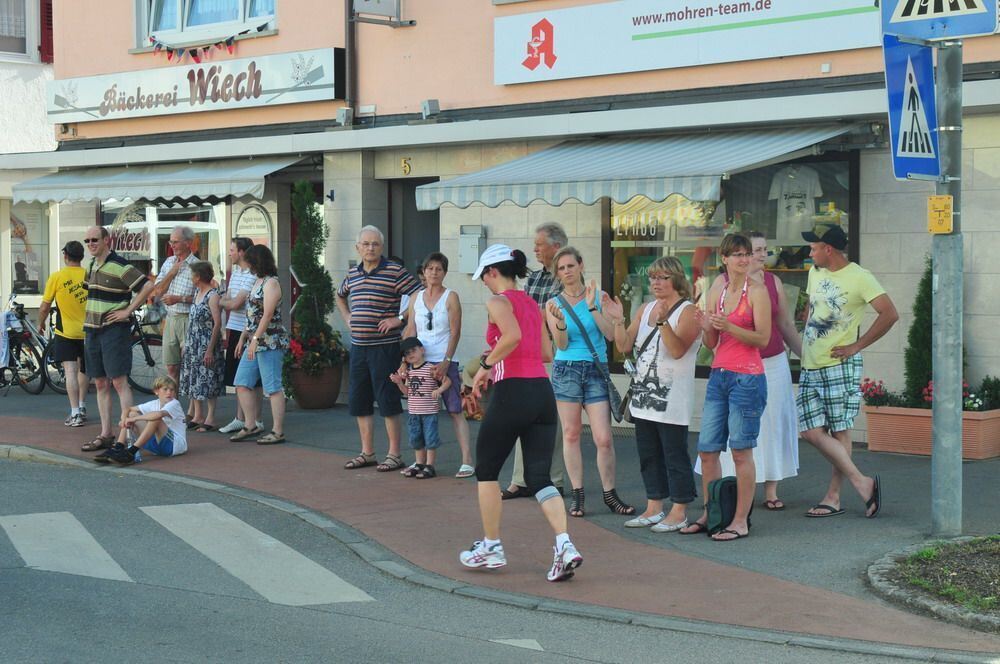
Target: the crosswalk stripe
(57, 542)
(274, 570)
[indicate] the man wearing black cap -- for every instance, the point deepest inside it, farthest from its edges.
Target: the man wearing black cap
(70, 295)
(830, 385)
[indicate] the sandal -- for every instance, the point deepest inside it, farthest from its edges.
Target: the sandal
(615, 503)
(465, 471)
(519, 492)
(271, 438)
(576, 507)
(360, 461)
(410, 471)
(99, 443)
(698, 527)
(391, 462)
(204, 428)
(192, 425)
(245, 433)
(426, 473)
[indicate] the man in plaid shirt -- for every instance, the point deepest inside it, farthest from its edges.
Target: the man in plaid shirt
(176, 290)
(541, 286)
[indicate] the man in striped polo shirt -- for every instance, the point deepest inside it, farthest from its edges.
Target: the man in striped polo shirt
(110, 282)
(368, 299)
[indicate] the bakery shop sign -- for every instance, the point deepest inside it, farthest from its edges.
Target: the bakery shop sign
(268, 80)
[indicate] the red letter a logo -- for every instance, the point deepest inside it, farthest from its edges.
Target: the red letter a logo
(541, 48)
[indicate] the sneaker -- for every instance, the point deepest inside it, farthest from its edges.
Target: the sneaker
(260, 424)
(232, 427)
(121, 455)
(83, 413)
(76, 420)
(105, 456)
(564, 562)
(68, 422)
(480, 556)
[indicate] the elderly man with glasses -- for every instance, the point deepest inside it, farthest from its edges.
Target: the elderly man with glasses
(115, 289)
(368, 299)
(176, 290)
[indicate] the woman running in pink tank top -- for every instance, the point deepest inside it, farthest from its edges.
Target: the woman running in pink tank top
(522, 405)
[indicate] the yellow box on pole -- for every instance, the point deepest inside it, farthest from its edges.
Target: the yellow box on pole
(940, 214)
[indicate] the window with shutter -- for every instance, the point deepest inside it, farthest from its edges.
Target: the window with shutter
(45, 41)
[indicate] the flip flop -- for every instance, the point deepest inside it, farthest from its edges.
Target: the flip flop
(465, 471)
(205, 428)
(774, 505)
(876, 500)
(192, 425)
(729, 532)
(698, 526)
(828, 510)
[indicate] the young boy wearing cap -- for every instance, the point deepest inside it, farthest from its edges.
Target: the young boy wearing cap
(423, 395)
(67, 289)
(830, 384)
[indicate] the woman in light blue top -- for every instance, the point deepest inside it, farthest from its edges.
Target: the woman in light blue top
(578, 379)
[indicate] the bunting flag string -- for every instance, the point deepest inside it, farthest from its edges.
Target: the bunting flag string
(201, 51)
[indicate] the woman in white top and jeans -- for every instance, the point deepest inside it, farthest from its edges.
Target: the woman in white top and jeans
(663, 391)
(234, 301)
(434, 315)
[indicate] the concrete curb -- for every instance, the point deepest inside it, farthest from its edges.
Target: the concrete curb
(392, 564)
(878, 579)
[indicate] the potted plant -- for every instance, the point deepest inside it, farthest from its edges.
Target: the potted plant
(313, 365)
(902, 422)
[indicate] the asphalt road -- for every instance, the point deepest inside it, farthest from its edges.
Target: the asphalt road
(100, 566)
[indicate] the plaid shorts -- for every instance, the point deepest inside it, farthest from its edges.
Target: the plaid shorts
(830, 397)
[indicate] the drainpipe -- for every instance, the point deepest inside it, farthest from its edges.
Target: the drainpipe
(350, 85)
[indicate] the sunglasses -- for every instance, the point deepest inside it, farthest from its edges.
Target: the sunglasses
(430, 320)
(91, 240)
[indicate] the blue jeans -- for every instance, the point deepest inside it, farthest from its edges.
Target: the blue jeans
(263, 369)
(579, 381)
(423, 430)
(734, 403)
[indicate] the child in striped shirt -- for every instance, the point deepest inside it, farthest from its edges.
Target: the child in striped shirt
(423, 394)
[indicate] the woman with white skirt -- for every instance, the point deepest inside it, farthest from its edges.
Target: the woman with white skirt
(776, 456)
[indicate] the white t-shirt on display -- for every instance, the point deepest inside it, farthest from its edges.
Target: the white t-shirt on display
(174, 419)
(795, 188)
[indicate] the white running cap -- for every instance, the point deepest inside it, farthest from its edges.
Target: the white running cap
(495, 253)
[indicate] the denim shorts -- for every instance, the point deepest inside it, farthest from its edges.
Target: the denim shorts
(264, 369)
(423, 430)
(734, 403)
(579, 381)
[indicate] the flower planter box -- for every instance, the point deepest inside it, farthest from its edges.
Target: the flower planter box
(908, 431)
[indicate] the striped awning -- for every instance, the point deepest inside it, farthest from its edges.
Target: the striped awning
(156, 182)
(691, 165)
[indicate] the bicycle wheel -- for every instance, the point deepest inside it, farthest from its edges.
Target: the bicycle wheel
(54, 374)
(147, 362)
(28, 367)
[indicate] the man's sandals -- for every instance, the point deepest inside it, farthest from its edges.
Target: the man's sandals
(391, 462)
(99, 443)
(361, 461)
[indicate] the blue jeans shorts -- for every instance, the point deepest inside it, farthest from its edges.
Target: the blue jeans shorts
(264, 369)
(734, 403)
(424, 432)
(579, 381)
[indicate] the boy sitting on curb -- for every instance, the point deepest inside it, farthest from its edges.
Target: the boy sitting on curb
(423, 393)
(163, 430)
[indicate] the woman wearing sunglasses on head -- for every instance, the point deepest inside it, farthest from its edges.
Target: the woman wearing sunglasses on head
(434, 315)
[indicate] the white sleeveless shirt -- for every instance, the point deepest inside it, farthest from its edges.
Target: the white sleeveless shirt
(434, 333)
(663, 390)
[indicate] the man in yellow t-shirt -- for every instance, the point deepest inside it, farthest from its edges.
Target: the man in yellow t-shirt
(830, 384)
(66, 288)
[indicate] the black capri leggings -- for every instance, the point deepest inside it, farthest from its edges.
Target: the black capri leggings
(522, 408)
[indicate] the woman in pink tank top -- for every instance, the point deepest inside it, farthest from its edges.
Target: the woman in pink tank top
(522, 405)
(737, 327)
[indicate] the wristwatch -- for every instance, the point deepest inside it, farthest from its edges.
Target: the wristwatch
(482, 363)
(447, 359)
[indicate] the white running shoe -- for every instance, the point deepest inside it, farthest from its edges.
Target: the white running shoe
(260, 424)
(83, 413)
(480, 556)
(564, 562)
(232, 427)
(69, 420)
(76, 420)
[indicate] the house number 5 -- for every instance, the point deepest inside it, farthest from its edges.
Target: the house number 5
(404, 163)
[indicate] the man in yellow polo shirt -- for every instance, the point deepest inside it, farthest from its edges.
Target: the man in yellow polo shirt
(66, 288)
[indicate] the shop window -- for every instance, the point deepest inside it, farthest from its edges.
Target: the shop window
(29, 247)
(780, 201)
(189, 20)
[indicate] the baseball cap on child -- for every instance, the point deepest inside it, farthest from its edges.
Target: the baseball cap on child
(495, 253)
(408, 344)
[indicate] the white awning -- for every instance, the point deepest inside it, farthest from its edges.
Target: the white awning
(691, 165)
(160, 182)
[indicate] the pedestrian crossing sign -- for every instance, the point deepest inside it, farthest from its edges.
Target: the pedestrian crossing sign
(939, 19)
(909, 83)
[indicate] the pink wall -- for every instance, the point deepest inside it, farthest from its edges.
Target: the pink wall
(448, 55)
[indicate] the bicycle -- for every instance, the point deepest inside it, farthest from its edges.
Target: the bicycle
(147, 354)
(55, 375)
(24, 362)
